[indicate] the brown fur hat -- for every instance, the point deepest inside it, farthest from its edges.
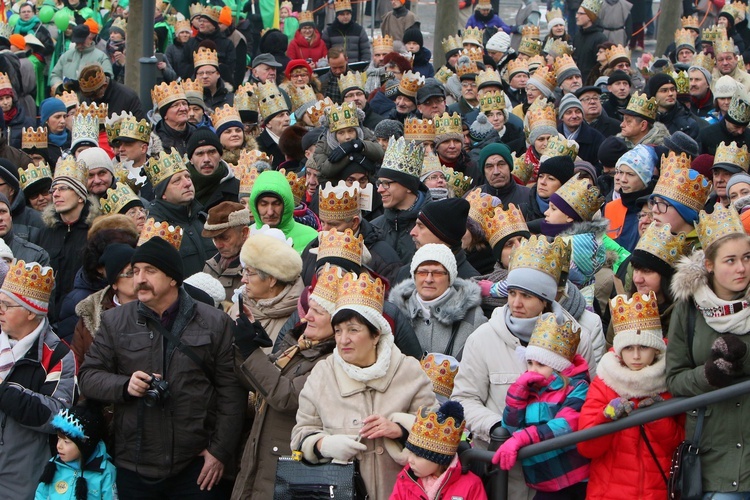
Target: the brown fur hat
(114, 221)
(290, 142)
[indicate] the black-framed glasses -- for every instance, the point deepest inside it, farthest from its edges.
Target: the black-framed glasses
(384, 184)
(4, 306)
(658, 206)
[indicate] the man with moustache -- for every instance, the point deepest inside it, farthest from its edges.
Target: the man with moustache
(212, 178)
(101, 171)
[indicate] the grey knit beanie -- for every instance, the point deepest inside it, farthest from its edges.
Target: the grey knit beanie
(389, 128)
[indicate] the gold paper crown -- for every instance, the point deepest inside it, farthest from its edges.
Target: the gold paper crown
(535, 62)
(740, 10)
(592, 6)
(448, 124)
(714, 226)
(682, 81)
(558, 145)
(542, 114)
(158, 169)
(546, 76)
(34, 138)
(224, 115)
(443, 74)
(530, 47)
(466, 68)
(249, 157)
(691, 22)
(95, 81)
(270, 100)
(352, 79)
(30, 281)
(643, 105)
(432, 164)
(723, 45)
(428, 433)
(452, 43)
(583, 197)
(739, 108)
(441, 374)
(522, 169)
(69, 98)
(556, 47)
(205, 57)
(714, 33)
(85, 127)
(382, 44)
(684, 37)
(480, 206)
(554, 14)
(122, 23)
(704, 60)
(170, 234)
(212, 13)
(473, 36)
(544, 256)
(196, 9)
(562, 63)
(361, 291)
(502, 223)
(245, 98)
(457, 181)
(326, 289)
(94, 109)
(183, 25)
(112, 126)
(306, 16)
(301, 96)
(410, 83)
(640, 312)
(492, 101)
(297, 185)
(659, 241)
(562, 339)
(33, 173)
(531, 31)
(139, 130)
(419, 130)
(339, 202)
(340, 5)
(517, 66)
(5, 82)
(117, 198)
(476, 54)
(615, 53)
(675, 183)
(341, 117)
(247, 181)
(319, 109)
(71, 168)
(733, 155)
(403, 156)
(193, 88)
(167, 93)
(340, 245)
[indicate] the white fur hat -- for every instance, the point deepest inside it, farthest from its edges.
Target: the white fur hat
(500, 42)
(272, 256)
(435, 252)
(5, 251)
(208, 284)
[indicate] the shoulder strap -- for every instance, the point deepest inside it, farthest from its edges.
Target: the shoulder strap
(699, 426)
(653, 454)
(691, 334)
(452, 341)
(187, 351)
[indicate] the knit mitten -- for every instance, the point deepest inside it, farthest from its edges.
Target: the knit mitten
(618, 408)
(728, 347)
(721, 372)
(646, 402)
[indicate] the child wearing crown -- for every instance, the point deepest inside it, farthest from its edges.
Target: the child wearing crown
(433, 467)
(544, 402)
(81, 469)
(632, 375)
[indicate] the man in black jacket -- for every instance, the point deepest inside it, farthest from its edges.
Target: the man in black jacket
(670, 111)
(733, 128)
(173, 129)
(588, 36)
(352, 86)
(98, 88)
(594, 114)
(208, 23)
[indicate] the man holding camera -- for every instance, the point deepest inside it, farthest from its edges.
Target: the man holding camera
(166, 363)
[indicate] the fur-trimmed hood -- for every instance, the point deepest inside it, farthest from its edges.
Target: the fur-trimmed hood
(91, 211)
(742, 203)
(598, 227)
(690, 274)
(647, 382)
(91, 308)
(464, 296)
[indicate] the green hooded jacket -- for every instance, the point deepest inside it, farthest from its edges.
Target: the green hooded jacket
(274, 182)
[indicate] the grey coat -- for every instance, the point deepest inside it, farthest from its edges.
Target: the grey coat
(460, 305)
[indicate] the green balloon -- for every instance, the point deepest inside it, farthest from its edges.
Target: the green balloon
(13, 20)
(46, 14)
(61, 19)
(86, 12)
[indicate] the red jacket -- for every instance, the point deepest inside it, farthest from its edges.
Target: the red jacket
(300, 48)
(466, 486)
(621, 464)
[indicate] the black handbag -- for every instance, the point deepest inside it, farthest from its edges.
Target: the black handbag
(685, 481)
(297, 479)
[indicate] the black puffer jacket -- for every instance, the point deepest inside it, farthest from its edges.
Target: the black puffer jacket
(225, 48)
(171, 138)
(586, 41)
(352, 37)
(397, 224)
(179, 61)
(713, 135)
(679, 119)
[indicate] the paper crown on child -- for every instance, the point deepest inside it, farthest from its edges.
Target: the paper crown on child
(552, 344)
(636, 321)
(442, 370)
(436, 433)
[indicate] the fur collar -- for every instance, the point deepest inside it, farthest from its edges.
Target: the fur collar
(629, 384)
(91, 210)
(690, 274)
(597, 226)
(742, 203)
(90, 309)
(463, 297)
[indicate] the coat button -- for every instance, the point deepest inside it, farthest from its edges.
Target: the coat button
(738, 405)
(275, 448)
(379, 450)
(734, 483)
(739, 445)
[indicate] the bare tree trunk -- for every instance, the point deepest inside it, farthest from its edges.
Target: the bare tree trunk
(445, 26)
(669, 21)
(136, 20)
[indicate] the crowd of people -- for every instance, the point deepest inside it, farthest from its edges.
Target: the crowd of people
(316, 243)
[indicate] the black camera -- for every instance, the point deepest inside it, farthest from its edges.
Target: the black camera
(157, 393)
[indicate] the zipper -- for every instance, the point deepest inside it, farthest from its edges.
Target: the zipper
(2, 429)
(418, 485)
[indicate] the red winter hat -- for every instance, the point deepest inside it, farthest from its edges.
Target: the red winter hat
(702, 164)
(294, 64)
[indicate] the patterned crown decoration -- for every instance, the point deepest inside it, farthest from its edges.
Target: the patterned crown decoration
(739, 108)
(382, 44)
(448, 124)
(335, 244)
(583, 197)
(352, 79)
(723, 45)
(502, 223)
(617, 53)
(458, 182)
(441, 374)
(196, 9)
(419, 130)
(5, 82)
(301, 96)
(473, 36)
(318, 110)
(643, 105)
(531, 31)
(714, 226)
(439, 438)
(270, 100)
(684, 38)
(659, 241)
(714, 33)
(410, 83)
(682, 81)
(555, 13)
(160, 168)
(205, 57)
(547, 76)
(6, 30)
(476, 54)
(224, 115)
(30, 281)
(33, 173)
(443, 74)
(452, 43)
(492, 101)
(167, 93)
(592, 6)
(691, 22)
(542, 255)
(70, 99)
(179, 26)
(480, 206)
(193, 88)
(403, 156)
(517, 66)
(112, 125)
(704, 60)
(246, 98)
(361, 291)
(297, 184)
(326, 290)
(339, 202)
(675, 183)
(32, 138)
(341, 5)
(733, 155)
(138, 130)
(85, 127)
(71, 168)
(117, 198)
(432, 164)
(100, 111)
(522, 169)
(563, 63)
(306, 16)
(562, 339)
(556, 47)
(530, 47)
(740, 10)
(170, 234)
(542, 114)
(535, 62)
(558, 145)
(212, 13)
(343, 116)
(466, 68)
(95, 81)
(640, 312)
(247, 180)
(488, 77)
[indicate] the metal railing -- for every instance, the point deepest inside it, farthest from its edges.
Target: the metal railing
(497, 484)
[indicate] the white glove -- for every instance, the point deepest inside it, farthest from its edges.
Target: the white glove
(341, 447)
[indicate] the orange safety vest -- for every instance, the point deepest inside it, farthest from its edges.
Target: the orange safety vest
(615, 211)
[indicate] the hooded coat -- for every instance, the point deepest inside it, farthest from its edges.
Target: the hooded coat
(99, 473)
(455, 483)
(352, 37)
(301, 48)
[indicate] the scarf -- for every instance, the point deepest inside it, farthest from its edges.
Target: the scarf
(432, 484)
(522, 328)
(531, 159)
(205, 185)
(399, 12)
(553, 230)
(374, 371)
(24, 27)
(722, 315)
(9, 115)
(302, 345)
(13, 350)
(543, 204)
(426, 305)
(58, 140)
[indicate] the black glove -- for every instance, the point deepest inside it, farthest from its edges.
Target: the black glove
(249, 336)
(367, 163)
(357, 145)
(721, 373)
(728, 347)
(348, 146)
(337, 155)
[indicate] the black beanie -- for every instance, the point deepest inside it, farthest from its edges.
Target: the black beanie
(410, 182)
(413, 34)
(82, 424)
(446, 219)
(611, 150)
(561, 168)
(203, 137)
(619, 76)
(162, 256)
(115, 258)
(657, 81)
(9, 173)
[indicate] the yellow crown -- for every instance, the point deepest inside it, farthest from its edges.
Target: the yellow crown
(33, 173)
(326, 289)
(682, 81)
(662, 244)
(583, 197)
(382, 44)
(5, 81)
(474, 53)
(339, 202)
(452, 43)
(297, 184)
(71, 168)
(531, 31)
(443, 74)
(301, 96)
(556, 47)
(183, 25)
(34, 138)
(542, 114)
(170, 234)
(740, 10)
(722, 45)
(113, 124)
(288, 5)
(473, 36)
(410, 83)
(643, 105)
(558, 145)
(530, 47)
(246, 98)
(419, 130)
(457, 181)
(342, 245)
(517, 66)
(714, 33)
(640, 312)
(439, 438)
(675, 183)
(167, 93)
(554, 14)
(247, 181)
(343, 116)
(464, 67)
(492, 101)
(714, 226)
(352, 80)
(739, 108)
(544, 256)
(480, 206)
(521, 169)
(30, 281)
(341, 5)
(122, 23)
(361, 291)
(563, 63)
(306, 16)
(546, 76)
(224, 115)
(139, 130)
(441, 374)
(432, 164)
(448, 124)
(704, 60)
(488, 77)
(205, 57)
(616, 54)
(270, 100)
(95, 81)
(249, 157)
(535, 62)
(117, 198)
(69, 98)
(691, 22)
(212, 13)
(94, 109)
(318, 110)
(562, 339)
(500, 224)
(192, 88)
(733, 155)
(683, 37)
(158, 169)
(403, 156)
(196, 9)
(592, 6)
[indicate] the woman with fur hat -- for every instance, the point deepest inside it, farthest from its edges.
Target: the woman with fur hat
(631, 463)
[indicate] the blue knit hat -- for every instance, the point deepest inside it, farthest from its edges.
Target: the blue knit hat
(49, 107)
(642, 159)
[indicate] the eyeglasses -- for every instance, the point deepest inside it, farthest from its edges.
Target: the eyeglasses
(645, 215)
(435, 274)
(658, 206)
(137, 212)
(62, 188)
(201, 74)
(587, 100)
(248, 274)
(468, 85)
(300, 75)
(384, 184)
(4, 306)
(127, 274)
(436, 177)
